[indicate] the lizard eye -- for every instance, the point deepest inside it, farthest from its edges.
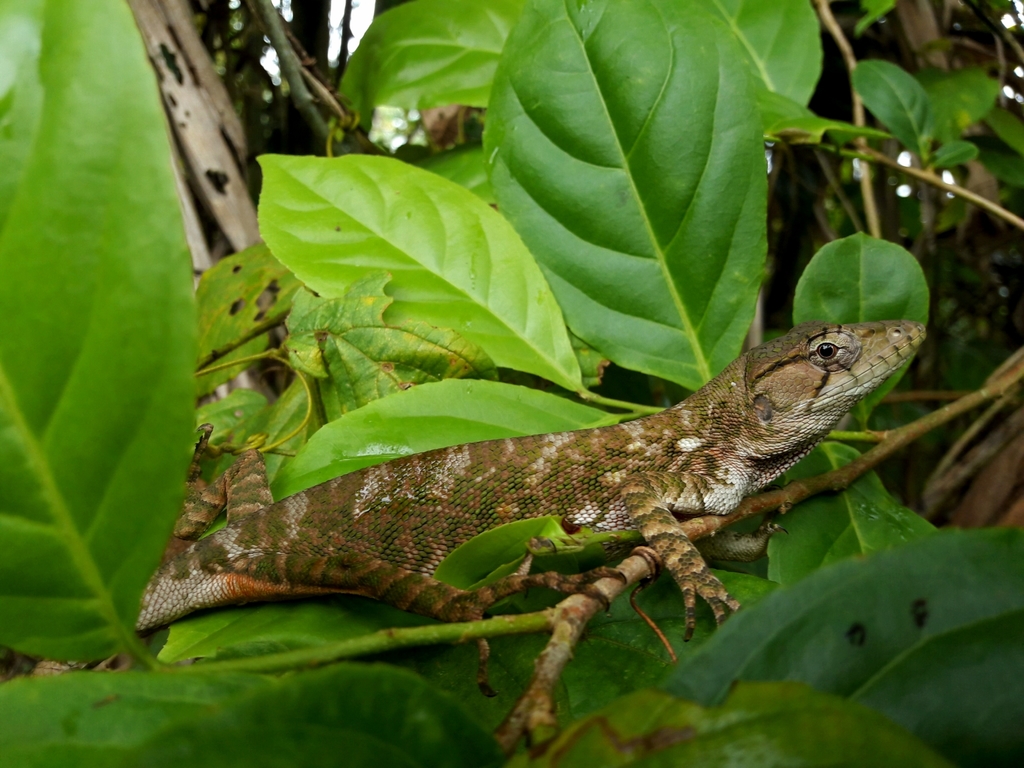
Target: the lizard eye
(826, 351)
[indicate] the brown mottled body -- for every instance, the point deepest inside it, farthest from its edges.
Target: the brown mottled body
(381, 530)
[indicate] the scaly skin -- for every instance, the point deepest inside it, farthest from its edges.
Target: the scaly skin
(382, 531)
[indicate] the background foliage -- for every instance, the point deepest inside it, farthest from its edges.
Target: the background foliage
(537, 216)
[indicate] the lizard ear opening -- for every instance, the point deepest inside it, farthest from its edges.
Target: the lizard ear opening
(763, 408)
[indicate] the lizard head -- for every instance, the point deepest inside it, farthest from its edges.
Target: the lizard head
(801, 384)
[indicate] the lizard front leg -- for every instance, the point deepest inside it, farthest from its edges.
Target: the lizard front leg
(650, 499)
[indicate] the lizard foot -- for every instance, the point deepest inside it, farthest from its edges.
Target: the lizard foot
(695, 578)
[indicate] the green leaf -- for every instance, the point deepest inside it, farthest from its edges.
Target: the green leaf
(96, 390)
(1001, 160)
(229, 413)
(465, 166)
(254, 630)
(959, 98)
(94, 719)
(455, 262)
(784, 119)
(650, 229)
(760, 724)
(829, 527)
(431, 416)
(592, 363)
(873, 11)
(356, 357)
(1008, 127)
(363, 716)
(899, 101)
(928, 634)
(494, 553)
(237, 297)
(858, 279)
(428, 54)
(279, 420)
(780, 42)
(954, 153)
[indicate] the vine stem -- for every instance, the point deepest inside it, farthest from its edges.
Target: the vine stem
(930, 177)
(866, 190)
(291, 67)
(639, 410)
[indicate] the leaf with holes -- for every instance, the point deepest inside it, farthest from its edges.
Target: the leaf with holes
(927, 633)
(428, 54)
(239, 298)
(455, 262)
(356, 357)
(96, 387)
(857, 279)
(651, 230)
(760, 724)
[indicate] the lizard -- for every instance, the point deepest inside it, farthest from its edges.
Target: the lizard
(383, 530)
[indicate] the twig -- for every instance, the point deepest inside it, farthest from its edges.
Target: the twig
(380, 641)
(924, 395)
(867, 436)
(866, 190)
(833, 182)
(346, 38)
(636, 408)
(968, 437)
(874, 156)
(998, 29)
(936, 493)
(291, 68)
(534, 712)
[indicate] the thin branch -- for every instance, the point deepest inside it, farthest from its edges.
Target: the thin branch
(924, 395)
(867, 191)
(998, 29)
(378, 642)
(874, 156)
(635, 408)
(833, 181)
(534, 711)
(291, 68)
(935, 495)
(866, 436)
(346, 38)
